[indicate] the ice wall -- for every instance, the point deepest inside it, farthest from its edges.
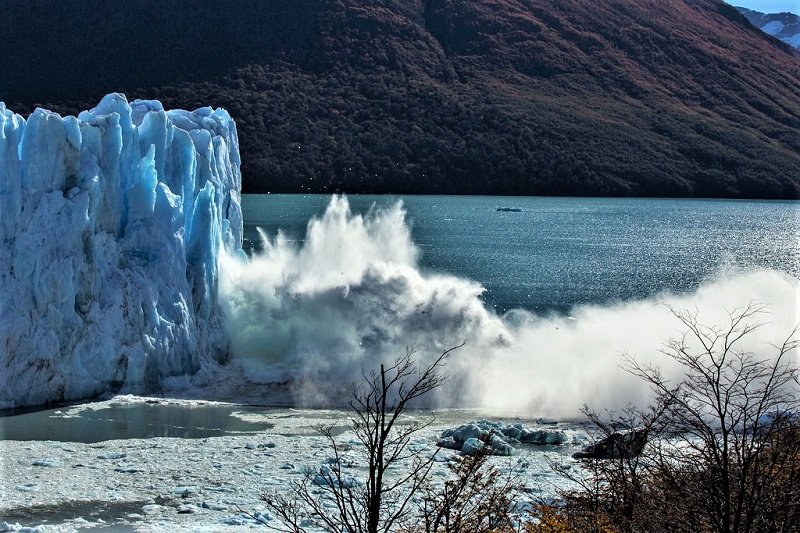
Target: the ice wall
(111, 224)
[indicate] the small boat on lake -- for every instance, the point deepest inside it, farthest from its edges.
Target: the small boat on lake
(510, 209)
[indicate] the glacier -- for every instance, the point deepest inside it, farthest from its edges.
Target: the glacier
(111, 227)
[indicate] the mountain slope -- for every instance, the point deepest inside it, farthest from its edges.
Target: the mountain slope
(784, 26)
(614, 97)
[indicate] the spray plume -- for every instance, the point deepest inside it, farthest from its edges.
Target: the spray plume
(352, 295)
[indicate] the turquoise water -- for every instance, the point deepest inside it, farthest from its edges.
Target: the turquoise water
(560, 252)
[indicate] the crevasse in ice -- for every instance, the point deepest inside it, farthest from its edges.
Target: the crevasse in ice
(111, 224)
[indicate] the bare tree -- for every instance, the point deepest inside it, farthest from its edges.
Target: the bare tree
(335, 501)
(612, 478)
(724, 450)
(477, 499)
(729, 421)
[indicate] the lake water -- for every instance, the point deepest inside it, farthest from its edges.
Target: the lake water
(129, 421)
(547, 255)
(560, 252)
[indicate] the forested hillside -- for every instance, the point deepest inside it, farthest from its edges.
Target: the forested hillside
(609, 97)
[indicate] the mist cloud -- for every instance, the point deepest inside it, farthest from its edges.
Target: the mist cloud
(351, 295)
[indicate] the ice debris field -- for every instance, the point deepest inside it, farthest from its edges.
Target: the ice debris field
(171, 483)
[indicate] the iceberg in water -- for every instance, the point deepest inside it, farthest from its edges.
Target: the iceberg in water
(111, 225)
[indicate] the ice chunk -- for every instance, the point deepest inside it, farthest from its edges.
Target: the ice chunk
(471, 446)
(111, 226)
(47, 461)
(214, 506)
(468, 431)
(112, 455)
(501, 437)
(183, 491)
(544, 436)
(449, 442)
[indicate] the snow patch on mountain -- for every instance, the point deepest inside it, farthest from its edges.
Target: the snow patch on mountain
(784, 26)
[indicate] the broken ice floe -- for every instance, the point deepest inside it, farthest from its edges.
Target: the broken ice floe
(501, 438)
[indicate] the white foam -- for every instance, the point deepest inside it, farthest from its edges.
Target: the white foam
(351, 295)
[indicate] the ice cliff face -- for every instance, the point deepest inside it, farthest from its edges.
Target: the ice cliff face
(110, 228)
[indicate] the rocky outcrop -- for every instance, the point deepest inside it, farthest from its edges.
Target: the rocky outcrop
(618, 445)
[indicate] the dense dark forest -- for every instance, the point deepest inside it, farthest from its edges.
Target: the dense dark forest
(613, 97)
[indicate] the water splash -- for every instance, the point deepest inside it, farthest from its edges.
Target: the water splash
(351, 295)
